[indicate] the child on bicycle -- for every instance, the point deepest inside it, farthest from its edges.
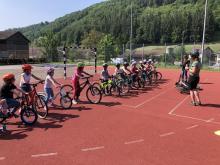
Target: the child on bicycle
(8, 90)
(119, 72)
(49, 82)
(26, 78)
(79, 73)
(127, 71)
(134, 71)
(105, 74)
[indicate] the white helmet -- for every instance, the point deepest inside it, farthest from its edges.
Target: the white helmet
(50, 69)
(134, 63)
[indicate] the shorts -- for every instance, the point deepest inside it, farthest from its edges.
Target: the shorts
(26, 87)
(193, 82)
(12, 103)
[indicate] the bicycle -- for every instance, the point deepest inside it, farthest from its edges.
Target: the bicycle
(65, 98)
(26, 113)
(37, 99)
(93, 93)
(156, 75)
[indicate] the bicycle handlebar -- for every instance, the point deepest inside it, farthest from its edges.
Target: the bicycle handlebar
(35, 84)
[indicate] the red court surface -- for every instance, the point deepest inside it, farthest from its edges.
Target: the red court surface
(154, 126)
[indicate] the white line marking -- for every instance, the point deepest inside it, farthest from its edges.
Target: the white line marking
(92, 149)
(191, 127)
(135, 141)
(2, 158)
(44, 155)
(152, 98)
(167, 134)
(178, 105)
(210, 120)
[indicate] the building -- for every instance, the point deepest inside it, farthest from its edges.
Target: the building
(13, 46)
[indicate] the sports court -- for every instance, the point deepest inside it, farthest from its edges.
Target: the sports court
(153, 126)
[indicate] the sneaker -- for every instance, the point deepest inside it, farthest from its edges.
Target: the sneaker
(15, 115)
(193, 103)
(199, 103)
(74, 102)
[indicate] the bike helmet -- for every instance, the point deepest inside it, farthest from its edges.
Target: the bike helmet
(105, 65)
(195, 54)
(145, 61)
(50, 70)
(80, 65)
(27, 67)
(134, 63)
(126, 64)
(8, 76)
(118, 64)
(140, 62)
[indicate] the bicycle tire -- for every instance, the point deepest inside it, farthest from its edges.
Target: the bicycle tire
(94, 91)
(64, 100)
(115, 90)
(159, 75)
(26, 111)
(66, 90)
(41, 107)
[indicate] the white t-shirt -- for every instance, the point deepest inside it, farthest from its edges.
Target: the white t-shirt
(48, 82)
(25, 79)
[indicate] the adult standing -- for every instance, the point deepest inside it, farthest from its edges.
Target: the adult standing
(194, 78)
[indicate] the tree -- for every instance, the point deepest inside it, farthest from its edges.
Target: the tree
(106, 49)
(92, 39)
(49, 41)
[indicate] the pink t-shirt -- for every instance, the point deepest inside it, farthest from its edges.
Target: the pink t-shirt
(76, 75)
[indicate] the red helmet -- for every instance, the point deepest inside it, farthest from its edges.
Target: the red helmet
(8, 76)
(27, 67)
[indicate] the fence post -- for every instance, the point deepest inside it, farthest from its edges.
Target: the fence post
(64, 61)
(95, 51)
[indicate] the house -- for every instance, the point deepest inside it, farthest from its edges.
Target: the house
(13, 45)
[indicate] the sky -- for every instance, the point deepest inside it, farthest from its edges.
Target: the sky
(20, 13)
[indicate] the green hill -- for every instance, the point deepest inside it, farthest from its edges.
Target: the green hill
(154, 21)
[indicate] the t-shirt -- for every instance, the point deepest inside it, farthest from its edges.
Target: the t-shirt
(6, 91)
(185, 63)
(134, 70)
(197, 65)
(48, 82)
(105, 75)
(119, 71)
(77, 75)
(26, 78)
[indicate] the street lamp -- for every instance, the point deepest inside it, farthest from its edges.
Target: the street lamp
(204, 30)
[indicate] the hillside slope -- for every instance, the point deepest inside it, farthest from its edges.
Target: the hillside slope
(154, 21)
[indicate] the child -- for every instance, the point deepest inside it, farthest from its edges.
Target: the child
(26, 78)
(134, 71)
(119, 71)
(7, 91)
(49, 82)
(79, 73)
(127, 71)
(105, 74)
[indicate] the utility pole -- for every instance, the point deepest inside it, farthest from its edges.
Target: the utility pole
(204, 31)
(131, 34)
(183, 34)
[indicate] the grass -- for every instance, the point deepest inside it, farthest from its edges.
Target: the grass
(160, 49)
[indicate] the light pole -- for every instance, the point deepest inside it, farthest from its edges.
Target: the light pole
(131, 33)
(183, 34)
(204, 30)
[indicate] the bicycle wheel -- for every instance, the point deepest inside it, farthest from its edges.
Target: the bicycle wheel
(41, 107)
(66, 90)
(159, 75)
(124, 87)
(66, 102)
(28, 115)
(115, 90)
(94, 95)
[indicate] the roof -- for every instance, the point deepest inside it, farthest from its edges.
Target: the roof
(4, 35)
